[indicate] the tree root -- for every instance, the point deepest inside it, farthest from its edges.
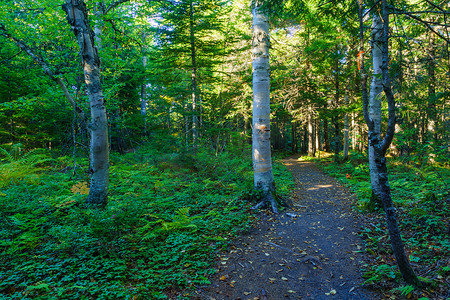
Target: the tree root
(269, 199)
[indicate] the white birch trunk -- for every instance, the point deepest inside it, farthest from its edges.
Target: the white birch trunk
(144, 89)
(99, 149)
(354, 131)
(376, 89)
(262, 163)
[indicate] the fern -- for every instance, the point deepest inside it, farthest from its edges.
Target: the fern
(181, 221)
(24, 167)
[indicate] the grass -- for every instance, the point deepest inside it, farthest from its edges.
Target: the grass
(168, 216)
(421, 193)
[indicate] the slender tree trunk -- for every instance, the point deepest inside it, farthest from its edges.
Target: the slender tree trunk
(305, 139)
(316, 136)
(262, 162)
(354, 131)
(376, 89)
(294, 136)
(380, 147)
(346, 127)
(77, 17)
(144, 81)
(311, 140)
(195, 124)
(326, 142)
(431, 109)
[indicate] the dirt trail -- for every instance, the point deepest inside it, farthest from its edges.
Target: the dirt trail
(311, 251)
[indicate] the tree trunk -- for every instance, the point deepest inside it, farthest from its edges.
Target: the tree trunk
(354, 131)
(346, 128)
(77, 17)
(376, 89)
(195, 124)
(326, 142)
(431, 109)
(144, 82)
(262, 162)
(311, 139)
(294, 136)
(380, 147)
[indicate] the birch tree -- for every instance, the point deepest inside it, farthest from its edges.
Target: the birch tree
(376, 89)
(262, 162)
(380, 146)
(77, 17)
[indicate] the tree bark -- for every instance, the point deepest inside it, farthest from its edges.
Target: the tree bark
(262, 162)
(77, 17)
(376, 89)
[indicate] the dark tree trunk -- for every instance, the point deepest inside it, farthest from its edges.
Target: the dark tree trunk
(326, 142)
(294, 136)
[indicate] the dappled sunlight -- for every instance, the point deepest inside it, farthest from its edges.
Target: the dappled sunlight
(319, 186)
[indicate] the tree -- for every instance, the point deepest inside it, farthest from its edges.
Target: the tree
(380, 146)
(190, 38)
(77, 17)
(376, 89)
(262, 162)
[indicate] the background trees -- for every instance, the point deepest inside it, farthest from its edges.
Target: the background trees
(178, 75)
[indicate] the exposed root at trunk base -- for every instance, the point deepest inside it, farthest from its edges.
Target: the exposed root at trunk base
(270, 199)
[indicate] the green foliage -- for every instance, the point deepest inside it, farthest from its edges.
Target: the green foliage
(380, 273)
(21, 166)
(158, 234)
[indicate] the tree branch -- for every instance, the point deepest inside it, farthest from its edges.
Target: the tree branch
(396, 11)
(113, 5)
(39, 60)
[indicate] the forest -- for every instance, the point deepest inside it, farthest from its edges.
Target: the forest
(140, 138)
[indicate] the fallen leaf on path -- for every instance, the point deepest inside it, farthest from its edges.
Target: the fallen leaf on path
(332, 292)
(247, 293)
(284, 278)
(223, 277)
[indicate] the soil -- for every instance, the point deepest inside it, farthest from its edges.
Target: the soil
(309, 251)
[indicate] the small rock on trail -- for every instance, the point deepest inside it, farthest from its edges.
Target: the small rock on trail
(311, 251)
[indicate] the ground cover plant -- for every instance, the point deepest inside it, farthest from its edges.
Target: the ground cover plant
(421, 192)
(168, 215)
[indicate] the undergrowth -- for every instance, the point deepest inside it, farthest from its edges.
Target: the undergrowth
(168, 216)
(421, 193)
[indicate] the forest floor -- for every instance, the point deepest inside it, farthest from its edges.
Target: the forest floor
(310, 251)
